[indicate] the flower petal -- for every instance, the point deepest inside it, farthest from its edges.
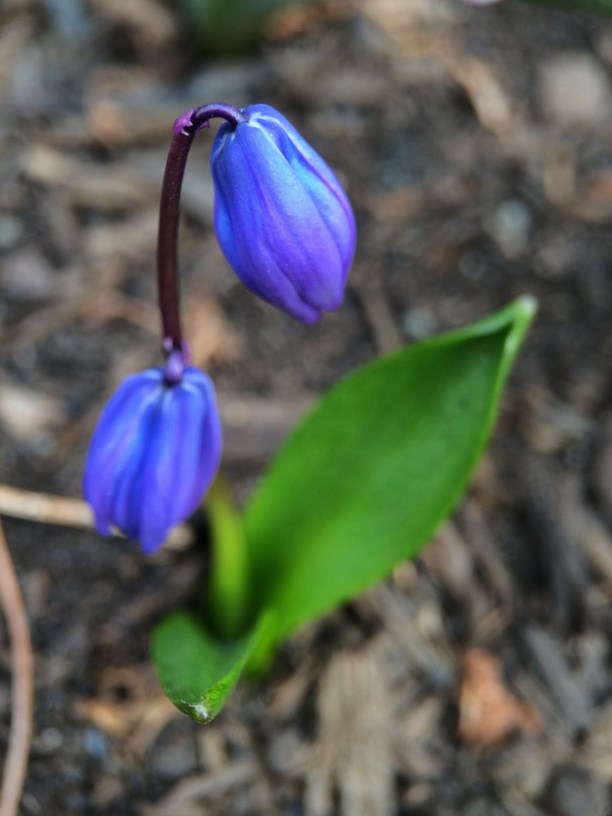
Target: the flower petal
(153, 455)
(281, 217)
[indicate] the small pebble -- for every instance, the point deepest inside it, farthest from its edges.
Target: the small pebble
(11, 231)
(473, 265)
(575, 791)
(283, 750)
(574, 89)
(52, 739)
(27, 275)
(174, 760)
(510, 226)
(67, 18)
(419, 324)
(95, 743)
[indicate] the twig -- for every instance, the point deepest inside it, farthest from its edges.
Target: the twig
(25, 504)
(45, 509)
(22, 691)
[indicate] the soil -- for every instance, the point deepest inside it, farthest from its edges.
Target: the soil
(475, 147)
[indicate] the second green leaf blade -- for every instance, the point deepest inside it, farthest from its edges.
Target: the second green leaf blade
(369, 475)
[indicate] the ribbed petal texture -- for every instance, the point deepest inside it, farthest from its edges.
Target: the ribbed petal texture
(282, 219)
(153, 455)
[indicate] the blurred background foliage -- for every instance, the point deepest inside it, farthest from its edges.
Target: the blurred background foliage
(227, 26)
(224, 27)
(589, 6)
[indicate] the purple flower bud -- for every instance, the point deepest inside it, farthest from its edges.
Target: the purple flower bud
(154, 453)
(281, 217)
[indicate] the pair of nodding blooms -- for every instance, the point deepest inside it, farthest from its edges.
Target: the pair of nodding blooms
(287, 229)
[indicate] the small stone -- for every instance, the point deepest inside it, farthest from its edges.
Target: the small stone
(283, 751)
(51, 739)
(574, 89)
(11, 231)
(419, 324)
(574, 790)
(174, 755)
(26, 275)
(473, 265)
(25, 413)
(95, 743)
(510, 226)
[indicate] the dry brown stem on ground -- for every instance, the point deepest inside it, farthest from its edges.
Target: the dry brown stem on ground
(22, 696)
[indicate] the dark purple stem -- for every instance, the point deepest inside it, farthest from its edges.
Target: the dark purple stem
(183, 133)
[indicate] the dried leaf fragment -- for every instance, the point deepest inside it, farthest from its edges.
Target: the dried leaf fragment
(488, 712)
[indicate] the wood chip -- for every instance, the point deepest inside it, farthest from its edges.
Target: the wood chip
(353, 752)
(13, 37)
(486, 552)
(113, 188)
(25, 412)
(450, 561)
(414, 739)
(211, 337)
(377, 309)
(255, 426)
(418, 629)
(596, 752)
(185, 799)
(547, 655)
(486, 92)
(152, 23)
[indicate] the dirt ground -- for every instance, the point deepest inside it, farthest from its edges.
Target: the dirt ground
(475, 146)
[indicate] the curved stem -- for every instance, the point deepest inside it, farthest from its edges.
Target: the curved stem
(183, 133)
(199, 118)
(167, 237)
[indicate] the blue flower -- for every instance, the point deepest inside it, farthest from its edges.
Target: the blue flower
(154, 453)
(283, 221)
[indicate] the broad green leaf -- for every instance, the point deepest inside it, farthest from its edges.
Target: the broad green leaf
(366, 479)
(196, 670)
(360, 486)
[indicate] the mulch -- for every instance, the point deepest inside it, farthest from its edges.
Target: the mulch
(475, 147)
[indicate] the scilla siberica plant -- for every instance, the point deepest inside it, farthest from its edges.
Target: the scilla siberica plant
(364, 480)
(287, 228)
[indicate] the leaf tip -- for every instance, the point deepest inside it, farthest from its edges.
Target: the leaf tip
(526, 307)
(523, 310)
(197, 711)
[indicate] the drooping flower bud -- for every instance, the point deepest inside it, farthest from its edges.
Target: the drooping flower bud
(154, 453)
(282, 219)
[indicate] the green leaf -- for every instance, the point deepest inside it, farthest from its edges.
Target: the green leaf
(588, 6)
(360, 486)
(227, 26)
(227, 592)
(196, 670)
(366, 479)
